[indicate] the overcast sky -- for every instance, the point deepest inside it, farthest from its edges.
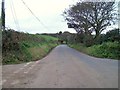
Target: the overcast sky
(48, 11)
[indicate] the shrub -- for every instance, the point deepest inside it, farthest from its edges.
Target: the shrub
(17, 47)
(106, 50)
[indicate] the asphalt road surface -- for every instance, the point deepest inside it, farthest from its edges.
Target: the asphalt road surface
(63, 67)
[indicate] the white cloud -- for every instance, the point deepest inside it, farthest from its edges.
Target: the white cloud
(48, 11)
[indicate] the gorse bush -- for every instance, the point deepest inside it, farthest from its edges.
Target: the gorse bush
(18, 47)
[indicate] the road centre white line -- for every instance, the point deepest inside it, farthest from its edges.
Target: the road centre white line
(37, 61)
(31, 66)
(27, 64)
(22, 67)
(15, 82)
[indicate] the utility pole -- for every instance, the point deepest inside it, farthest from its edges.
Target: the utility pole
(3, 15)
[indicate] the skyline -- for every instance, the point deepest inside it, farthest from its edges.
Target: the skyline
(48, 12)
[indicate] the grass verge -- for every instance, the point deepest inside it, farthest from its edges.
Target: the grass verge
(22, 47)
(105, 50)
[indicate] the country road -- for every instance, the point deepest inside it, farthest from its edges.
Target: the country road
(63, 67)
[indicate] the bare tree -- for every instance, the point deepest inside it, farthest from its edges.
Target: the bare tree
(90, 16)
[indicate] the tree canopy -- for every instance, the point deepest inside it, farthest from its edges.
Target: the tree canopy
(90, 17)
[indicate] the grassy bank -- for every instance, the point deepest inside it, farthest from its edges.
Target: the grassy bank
(22, 47)
(106, 50)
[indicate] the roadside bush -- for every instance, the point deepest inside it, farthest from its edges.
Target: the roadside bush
(19, 47)
(79, 46)
(105, 50)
